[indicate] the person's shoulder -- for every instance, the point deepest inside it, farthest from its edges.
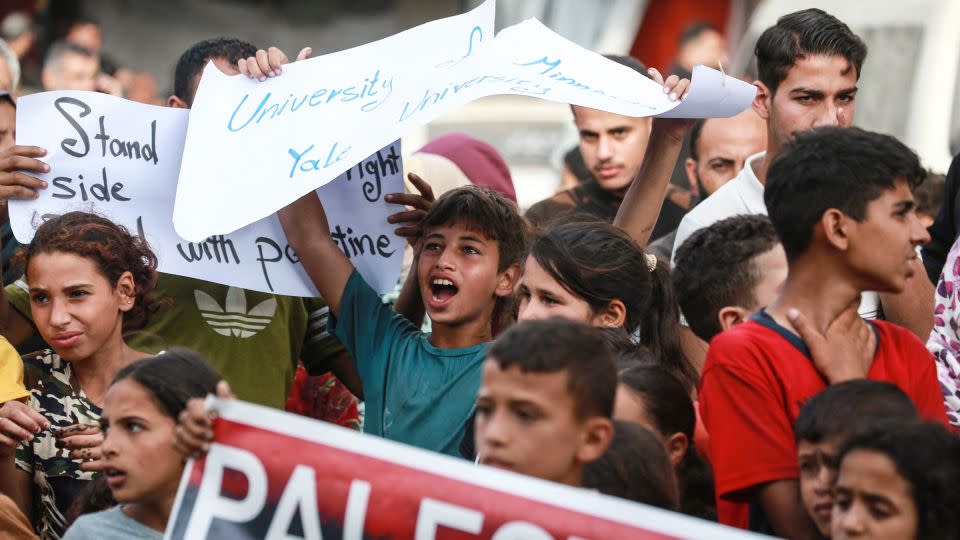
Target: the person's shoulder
(737, 345)
(897, 339)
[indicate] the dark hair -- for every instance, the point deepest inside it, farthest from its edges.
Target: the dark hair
(927, 456)
(485, 211)
(715, 268)
(929, 194)
(832, 167)
(694, 138)
(634, 467)
(600, 263)
(172, 378)
(193, 60)
(693, 32)
(111, 247)
(555, 345)
(94, 496)
(848, 408)
(664, 398)
(630, 62)
(668, 405)
(573, 160)
(801, 34)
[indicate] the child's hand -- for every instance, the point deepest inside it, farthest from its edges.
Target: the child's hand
(194, 431)
(417, 205)
(83, 444)
(845, 351)
(19, 422)
(268, 63)
(676, 88)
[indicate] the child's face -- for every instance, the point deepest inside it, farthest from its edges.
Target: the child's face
(891, 222)
(458, 274)
(871, 499)
(75, 308)
(140, 463)
(818, 473)
(542, 297)
(525, 423)
(630, 408)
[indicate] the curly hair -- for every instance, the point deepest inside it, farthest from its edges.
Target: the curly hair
(111, 247)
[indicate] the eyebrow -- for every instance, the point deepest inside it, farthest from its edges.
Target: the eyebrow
(904, 205)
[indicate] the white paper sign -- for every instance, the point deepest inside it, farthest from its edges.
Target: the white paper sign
(121, 159)
(322, 114)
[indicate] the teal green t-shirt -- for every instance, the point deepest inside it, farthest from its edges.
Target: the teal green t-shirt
(415, 393)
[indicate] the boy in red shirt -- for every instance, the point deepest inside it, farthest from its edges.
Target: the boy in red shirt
(840, 200)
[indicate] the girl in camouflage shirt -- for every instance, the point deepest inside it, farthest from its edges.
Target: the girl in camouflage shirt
(90, 281)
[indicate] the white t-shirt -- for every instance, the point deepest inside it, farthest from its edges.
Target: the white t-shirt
(744, 195)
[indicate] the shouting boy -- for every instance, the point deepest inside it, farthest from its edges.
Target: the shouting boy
(840, 201)
(420, 388)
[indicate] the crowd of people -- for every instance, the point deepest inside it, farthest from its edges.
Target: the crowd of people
(782, 356)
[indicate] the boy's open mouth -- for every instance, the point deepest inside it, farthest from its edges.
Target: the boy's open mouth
(442, 290)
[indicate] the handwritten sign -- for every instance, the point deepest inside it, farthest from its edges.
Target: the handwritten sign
(308, 125)
(121, 160)
(270, 474)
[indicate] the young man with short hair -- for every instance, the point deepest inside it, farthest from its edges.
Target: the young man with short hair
(840, 201)
(545, 404)
(726, 271)
(831, 418)
(613, 147)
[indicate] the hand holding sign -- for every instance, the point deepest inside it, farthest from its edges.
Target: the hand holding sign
(268, 63)
(15, 165)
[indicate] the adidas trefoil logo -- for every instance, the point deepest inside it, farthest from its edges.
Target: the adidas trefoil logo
(233, 319)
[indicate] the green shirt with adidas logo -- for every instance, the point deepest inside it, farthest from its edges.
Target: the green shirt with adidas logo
(253, 339)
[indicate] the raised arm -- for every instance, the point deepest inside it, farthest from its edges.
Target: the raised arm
(641, 206)
(305, 224)
(16, 166)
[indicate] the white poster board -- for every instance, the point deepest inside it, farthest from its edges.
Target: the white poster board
(121, 159)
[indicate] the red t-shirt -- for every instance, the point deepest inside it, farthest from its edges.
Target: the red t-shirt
(757, 376)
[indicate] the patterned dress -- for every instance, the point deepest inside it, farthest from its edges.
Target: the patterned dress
(944, 341)
(57, 479)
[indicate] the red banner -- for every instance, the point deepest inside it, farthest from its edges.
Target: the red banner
(271, 474)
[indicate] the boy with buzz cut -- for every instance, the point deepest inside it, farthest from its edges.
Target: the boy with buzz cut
(840, 201)
(545, 404)
(831, 418)
(726, 271)
(420, 388)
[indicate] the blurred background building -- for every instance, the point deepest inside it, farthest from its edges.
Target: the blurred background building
(908, 88)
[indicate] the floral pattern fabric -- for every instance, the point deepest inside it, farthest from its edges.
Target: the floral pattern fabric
(944, 341)
(57, 479)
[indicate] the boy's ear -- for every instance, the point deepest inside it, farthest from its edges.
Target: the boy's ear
(127, 291)
(730, 316)
(507, 280)
(762, 101)
(676, 445)
(835, 226)
(613, 316)
(597, 434)
(176, 103)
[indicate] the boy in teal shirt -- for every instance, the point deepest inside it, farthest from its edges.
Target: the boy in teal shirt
(420, 388)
